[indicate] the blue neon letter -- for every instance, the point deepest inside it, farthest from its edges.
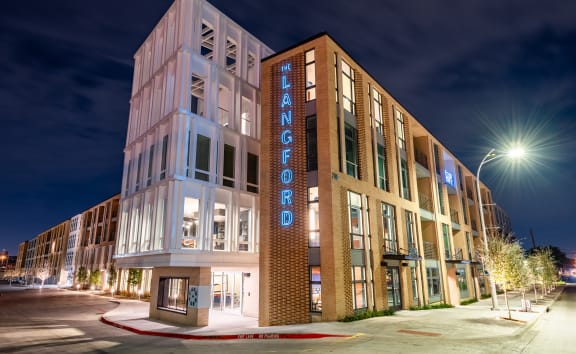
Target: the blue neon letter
(286, 176)
(286, 218)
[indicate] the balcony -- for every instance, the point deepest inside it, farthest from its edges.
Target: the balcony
(393, 251)
(422, 169)
(455, 219)
(456, 257)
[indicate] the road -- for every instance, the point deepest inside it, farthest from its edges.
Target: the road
(51, 320)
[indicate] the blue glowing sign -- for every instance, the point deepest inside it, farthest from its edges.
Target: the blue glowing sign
(287, 141)
(449, 178)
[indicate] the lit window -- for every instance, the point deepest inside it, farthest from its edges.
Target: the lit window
(359, 287)
(190, 224)
(355, 220)
(315, 289)
(173, 294)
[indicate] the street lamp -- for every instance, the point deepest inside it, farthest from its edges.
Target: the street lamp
(491, 156)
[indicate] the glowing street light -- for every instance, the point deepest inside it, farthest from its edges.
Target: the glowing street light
(516, 152)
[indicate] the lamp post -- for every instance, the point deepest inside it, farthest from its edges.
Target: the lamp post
(490, 156)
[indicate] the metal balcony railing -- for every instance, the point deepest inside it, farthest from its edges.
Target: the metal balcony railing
(430, 250)
(454, 216)
(421, 158)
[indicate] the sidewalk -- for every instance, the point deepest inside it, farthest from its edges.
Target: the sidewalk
(474, 321)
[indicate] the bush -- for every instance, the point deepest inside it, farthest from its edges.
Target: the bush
(468, 302)
(485, 296)
(430, 307)
(366, 314)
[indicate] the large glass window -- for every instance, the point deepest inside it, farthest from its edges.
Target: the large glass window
(400, 134)
(411, 234)
(244, 230)
(219, 230)
(150, 164)
(351, 141)
(197, 95)
(434, 284)
(405, 181)
(447, 241)
(173, 294)
(229, 161)
(138, 171)
(389, 226)
(315, 289)
(441, 198)
(246, 116)
(313, 218)
(202, 158)
(310, 76)
(311, 144)
(377, 111)
(381, 162)
(348, 93)
(359, 287)
(252, 173)
(164, 159)
(190, 224)
(355, 220)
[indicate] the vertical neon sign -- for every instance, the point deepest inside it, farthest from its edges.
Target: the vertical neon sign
(287, 141)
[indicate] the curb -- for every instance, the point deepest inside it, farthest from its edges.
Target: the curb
(241, 336)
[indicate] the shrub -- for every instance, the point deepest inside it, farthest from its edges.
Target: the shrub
(431, 307)
(366, 314)
(485, 296)
(468, 302)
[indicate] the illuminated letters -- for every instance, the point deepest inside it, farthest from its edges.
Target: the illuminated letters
(287, 140)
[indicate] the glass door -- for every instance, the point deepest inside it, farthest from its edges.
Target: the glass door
(393, 285)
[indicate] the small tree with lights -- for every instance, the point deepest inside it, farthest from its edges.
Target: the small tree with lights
(82, 275)
(43, 272)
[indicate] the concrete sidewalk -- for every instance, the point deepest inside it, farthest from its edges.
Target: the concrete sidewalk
(474, 321)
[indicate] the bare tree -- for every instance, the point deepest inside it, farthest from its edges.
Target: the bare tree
(43, 272)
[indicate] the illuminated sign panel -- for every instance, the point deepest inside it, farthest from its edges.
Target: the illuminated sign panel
(449, 178)
(287, 141)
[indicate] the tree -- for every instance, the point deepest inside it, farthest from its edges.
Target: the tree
(559, 258)
(44, 272)
(112, 275)
(505, 261)
(95, 277)
(134, 277)
(82, 275)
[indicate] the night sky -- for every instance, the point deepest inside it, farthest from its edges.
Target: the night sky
(478, 74)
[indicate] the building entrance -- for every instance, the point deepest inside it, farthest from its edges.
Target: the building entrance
(393, 285)
(227, 290)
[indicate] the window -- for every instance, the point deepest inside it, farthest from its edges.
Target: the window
(377, 109)
(434, 285)
(336, 76)
(359, 287)
(128, 177)
(315, 289)
(244, 230)
(410, 234)
(437, 159)
(246, 117)
(173, 294)
(310, 76)
(447, 243)
(228, 173)
(252, 74)
(400, 130)
(197, 95)
(207, 44)
(313, 218)
(463, 204)
(311, 144)
(381, 163)
(355, 220)
(190, 224)
(348, 88)
(138, 169)
(404, 178)
(441, 198)
(164, 157)
(219, 230)
(351, 141)
(252, 173)
(150, 165)
(202, 158)
(468, 246)
(231, 52)
(389, 226)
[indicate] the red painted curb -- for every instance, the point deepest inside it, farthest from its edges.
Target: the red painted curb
(223, 336)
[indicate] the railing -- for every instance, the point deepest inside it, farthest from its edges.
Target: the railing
(430, 250)
(425, 202)
(473, 224)
(457, 254)
(421, 158)
(454, 216)
(390, 246)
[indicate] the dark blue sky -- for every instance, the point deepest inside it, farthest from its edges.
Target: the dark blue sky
(477, 74)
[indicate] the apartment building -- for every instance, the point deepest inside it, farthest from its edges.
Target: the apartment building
(95, 234)
(46, 255)
(189, 213)
(21, 259)
(72, 249)
(365, 209)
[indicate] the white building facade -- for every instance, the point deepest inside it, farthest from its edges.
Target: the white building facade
(189, 208)
(72, 249)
